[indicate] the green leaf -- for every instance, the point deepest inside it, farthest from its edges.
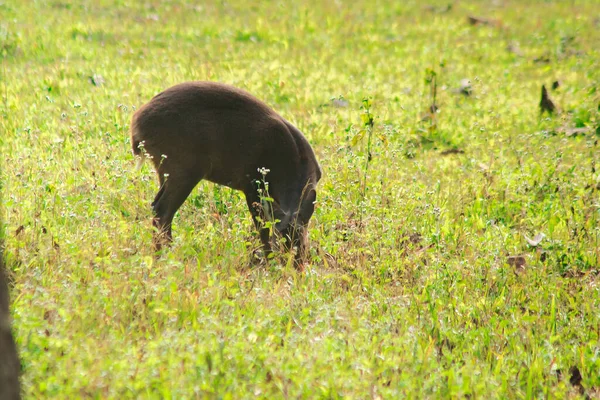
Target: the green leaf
(367, 119)
(358, 137)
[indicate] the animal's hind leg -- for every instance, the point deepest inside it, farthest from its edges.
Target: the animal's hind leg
(169, 198)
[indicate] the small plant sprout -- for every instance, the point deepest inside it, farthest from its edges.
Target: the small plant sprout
(368, 122)
(431, 81)
(265, 199)
(144, 153)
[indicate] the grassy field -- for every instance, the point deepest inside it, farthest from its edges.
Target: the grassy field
(428, 278)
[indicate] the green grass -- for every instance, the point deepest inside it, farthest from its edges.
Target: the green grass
(409, 293)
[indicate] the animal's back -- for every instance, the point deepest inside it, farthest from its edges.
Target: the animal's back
(184, 108)
(218, 131)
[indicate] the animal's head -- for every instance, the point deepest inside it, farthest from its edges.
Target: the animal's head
(293, 216)
(293, 225)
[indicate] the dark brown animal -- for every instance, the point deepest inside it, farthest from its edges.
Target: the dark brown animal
(208, 130)
(9, 360)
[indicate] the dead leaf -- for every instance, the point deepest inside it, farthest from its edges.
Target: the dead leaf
(415, 238)
(340, 103)
(543, 59)
(465, 87)
(518, 263)
(96, 80)
(48, 315)
(484, 21)
(330, 261)
(536, 240)
(19, 230)
(452, 151)
(429, 115)
(567, 131)
(514, 48)
(575, 131)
